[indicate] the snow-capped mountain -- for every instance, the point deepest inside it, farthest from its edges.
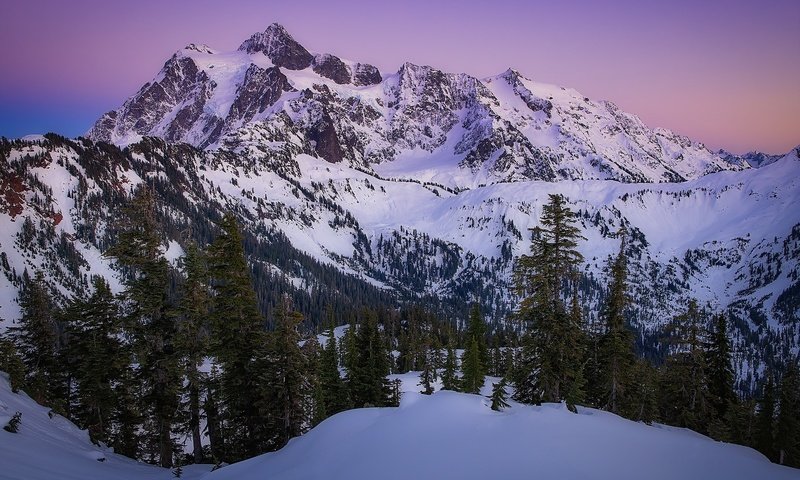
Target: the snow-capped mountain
(274, 98)
(360, 188)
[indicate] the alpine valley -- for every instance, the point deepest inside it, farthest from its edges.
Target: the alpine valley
(356, 187)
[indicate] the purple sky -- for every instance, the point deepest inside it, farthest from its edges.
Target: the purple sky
(726, 72)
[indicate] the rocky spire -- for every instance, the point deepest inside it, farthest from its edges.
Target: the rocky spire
(276, 43)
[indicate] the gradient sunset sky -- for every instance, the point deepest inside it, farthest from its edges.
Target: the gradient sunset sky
(723, 72)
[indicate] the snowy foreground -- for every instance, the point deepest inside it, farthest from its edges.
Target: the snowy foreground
(54, 448)
(446, 435)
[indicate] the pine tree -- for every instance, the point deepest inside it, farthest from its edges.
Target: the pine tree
(237, 339)
(426, 376)
(475, 358)
(214, 419)
(787, 435)
(37, 340)
(472, 377)
(127, 416)
(366, 377)
(551, 360)
(683, 381)
(476, 328)
(764, 440)
(286, 386)
(334, 391)
(642, 404)
(139, 251)
(721, 394)
(11, 363)
(101, 358)
(499, 395)
(449, 379)
(616, 347)
(192, 339)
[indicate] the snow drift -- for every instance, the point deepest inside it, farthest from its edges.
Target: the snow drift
(454, 435)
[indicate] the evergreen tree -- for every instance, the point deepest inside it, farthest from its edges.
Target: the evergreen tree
(192, 339)
(426, 380)
(287, 385)
(449, 378)
(683, 381)
(642, 404)
(787, 435)
(238, 339)
(719, 369)
(36, 338)
(349, 351)
(476, 328)
(616, 348)
(139, 252)
(764, 440)
(11, 363)
(472, 377)
(475, 359)
(333, 389)
(551, 363)
(101, 358)
(498, 395)
(214, 419)
(128, 415)
(366, 378)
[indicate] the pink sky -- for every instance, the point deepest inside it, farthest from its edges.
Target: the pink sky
(725, 72)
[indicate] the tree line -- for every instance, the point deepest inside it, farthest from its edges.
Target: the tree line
(146, 371)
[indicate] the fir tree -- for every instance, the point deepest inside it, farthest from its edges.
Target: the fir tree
(642, 404)
(36, 338)
(11, 363)
(237, 338)
(719, 369)
(287, 383)
(476, 328)
(764, 437)
(101, 358)
(787, 434)
(333, 389)
(683, 381)
(192, 338)
(449, 379)
(315, 397)
(616, 349)
(426, 377)
(366, 377)
(139, 251)
(499, 395)
(551, 360)
(472, 377)
(475, 359)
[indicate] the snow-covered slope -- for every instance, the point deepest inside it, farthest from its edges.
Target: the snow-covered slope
(48, 446)
(273, 98)
(454, 435)
(730, 239)
(446, 435)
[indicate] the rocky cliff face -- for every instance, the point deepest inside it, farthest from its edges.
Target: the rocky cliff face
(418, 123)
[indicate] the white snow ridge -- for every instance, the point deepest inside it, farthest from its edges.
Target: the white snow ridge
(442, 436)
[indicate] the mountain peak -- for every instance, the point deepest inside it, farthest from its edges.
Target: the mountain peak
(202, 48)
(280, 47)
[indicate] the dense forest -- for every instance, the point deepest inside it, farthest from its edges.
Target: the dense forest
(186, 352)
